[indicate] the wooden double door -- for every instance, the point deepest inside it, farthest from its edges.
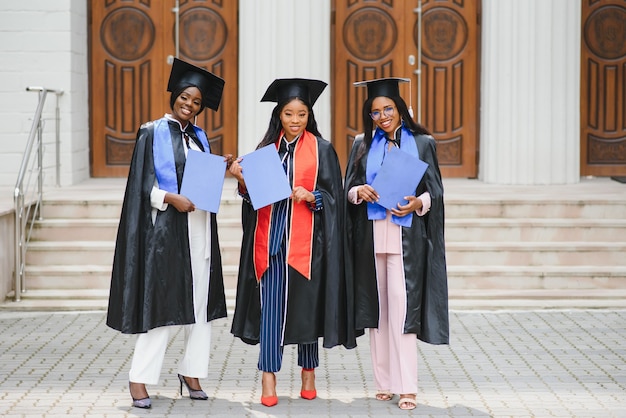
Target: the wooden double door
(131, 40)
(382, 38)
(603, 88)
(132, 44)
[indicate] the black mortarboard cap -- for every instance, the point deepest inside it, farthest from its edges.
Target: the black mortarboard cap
(210, 85)
(286, 88)
(387, 87)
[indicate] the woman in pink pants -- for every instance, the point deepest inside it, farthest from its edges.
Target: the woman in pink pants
(397, 255)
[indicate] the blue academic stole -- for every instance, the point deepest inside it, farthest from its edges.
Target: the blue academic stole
(375, 157)
(163, 152)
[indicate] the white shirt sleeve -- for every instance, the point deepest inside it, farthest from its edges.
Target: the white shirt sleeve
(157, 199)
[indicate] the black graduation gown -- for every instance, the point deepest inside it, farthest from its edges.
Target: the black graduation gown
(318, 307)
(151, 280)
(423, 251)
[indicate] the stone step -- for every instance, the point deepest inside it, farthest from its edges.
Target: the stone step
(456, 208)
(459, 277)
(75, 229)
(91, 208)
(574, 253)
(68, 277)
(535, 229)
(75, 299)
(72, 277)
(105, 229)
(98, 252)
(480, 229)
(557, 207)
(77, 253)
(536, 253)
(490, 277)
(477, 299)
(229, 229)
(104, 208)
(58, 300)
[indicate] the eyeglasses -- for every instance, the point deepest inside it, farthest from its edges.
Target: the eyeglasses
(388, 111)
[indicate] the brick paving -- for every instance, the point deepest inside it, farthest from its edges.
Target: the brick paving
(522, 363)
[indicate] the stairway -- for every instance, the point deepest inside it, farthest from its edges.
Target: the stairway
(506, 247)
(546, 246)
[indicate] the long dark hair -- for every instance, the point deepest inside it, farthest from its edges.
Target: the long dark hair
(368, 124)
(275, 126)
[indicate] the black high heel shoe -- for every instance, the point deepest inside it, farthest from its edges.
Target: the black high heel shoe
(193, 393)
(143, 403)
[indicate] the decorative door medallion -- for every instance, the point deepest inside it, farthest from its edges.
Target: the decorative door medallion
(130, 42)
(603, 88)
(375, 39)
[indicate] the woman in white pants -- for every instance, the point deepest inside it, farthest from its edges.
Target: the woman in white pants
(167, 268)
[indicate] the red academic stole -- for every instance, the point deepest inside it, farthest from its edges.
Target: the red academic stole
(300, 243)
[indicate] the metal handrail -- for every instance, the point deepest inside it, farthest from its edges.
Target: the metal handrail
(27, 201)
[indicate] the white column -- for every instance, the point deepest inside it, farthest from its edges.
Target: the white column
(530, 99)
(280, 39)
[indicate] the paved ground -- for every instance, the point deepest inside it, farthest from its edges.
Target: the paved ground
(541, 363)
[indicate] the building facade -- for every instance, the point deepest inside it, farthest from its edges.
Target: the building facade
(527, 98)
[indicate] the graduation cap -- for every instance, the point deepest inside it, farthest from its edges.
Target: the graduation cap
(210, 85)
(387, 87)
(286, 88)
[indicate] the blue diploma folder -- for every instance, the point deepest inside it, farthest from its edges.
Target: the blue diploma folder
(265, 177)
(203, 180)
(398, 176)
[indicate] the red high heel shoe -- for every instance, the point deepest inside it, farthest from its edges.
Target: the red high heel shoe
(269, 400)
(308, 394)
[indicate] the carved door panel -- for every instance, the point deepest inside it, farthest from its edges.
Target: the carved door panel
(130, 42)
(208, 39)
(374, 39)
(450, 87)
(603, 88)
(366, 36)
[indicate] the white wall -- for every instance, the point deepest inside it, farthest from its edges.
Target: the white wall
(280, 39)
(530, 79)
(44, 43)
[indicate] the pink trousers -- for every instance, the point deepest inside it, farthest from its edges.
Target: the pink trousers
(394, 354)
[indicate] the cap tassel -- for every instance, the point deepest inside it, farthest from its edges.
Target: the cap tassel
(410, 100)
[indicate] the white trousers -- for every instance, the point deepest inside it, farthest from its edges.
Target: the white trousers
(150, 351)
(151, 346)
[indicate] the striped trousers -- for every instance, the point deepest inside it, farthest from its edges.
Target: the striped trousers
(273, 288)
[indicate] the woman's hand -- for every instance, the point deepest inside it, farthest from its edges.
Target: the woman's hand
(300, 194)
(180, 202)
(367, 193)
(413, 205)
(236, 170)
(229, 160)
